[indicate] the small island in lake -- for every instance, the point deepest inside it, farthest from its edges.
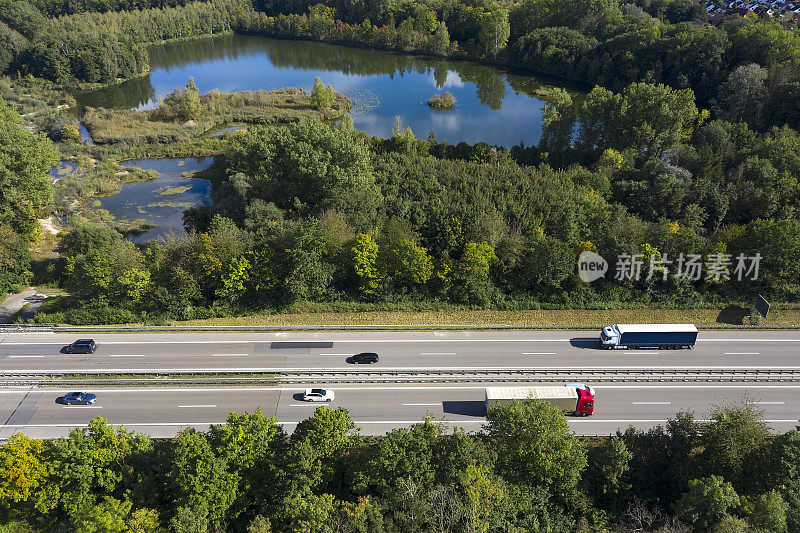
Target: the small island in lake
(442, 102)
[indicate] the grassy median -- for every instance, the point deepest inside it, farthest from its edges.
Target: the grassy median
(721, 316)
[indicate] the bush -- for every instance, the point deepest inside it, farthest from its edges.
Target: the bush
(442, 102)
(99, 315)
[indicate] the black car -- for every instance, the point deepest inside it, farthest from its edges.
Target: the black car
(365, 358)
(82, 346)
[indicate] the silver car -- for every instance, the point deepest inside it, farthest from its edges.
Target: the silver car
(80, 398)
(318, 395)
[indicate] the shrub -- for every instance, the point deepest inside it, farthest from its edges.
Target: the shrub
(442, 101)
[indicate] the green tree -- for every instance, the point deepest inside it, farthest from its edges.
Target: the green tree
(606, 474)
(472, 272)
(706, 503)
(404, 455)
(768, 513)
(322, 440)
(194, 110)
(188, 520)
(484, 498)
(200, 479)
(235, 278)
(535, 446)
(494, 29)
(86, 236)
(306, 168)
(25, 164)
(23, 469)
(743, 94)
(645, 117)
(310, 275)
(249, 444)
(365, 257)
(734, 437)
(322, 97)
(408, 264)
(94, 462)
(108, 516)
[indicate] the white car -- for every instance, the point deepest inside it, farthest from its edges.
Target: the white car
(318, 395)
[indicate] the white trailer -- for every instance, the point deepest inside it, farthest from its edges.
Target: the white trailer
(570, 398)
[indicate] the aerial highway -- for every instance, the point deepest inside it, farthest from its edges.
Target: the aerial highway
(397, 349)
(378, 407)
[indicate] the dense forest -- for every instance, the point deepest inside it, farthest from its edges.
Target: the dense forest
(524, 472)
(684, 149)
(736, 70)
(25, 189)
(362, 219)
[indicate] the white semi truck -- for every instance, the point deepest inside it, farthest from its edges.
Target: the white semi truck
(664, 336)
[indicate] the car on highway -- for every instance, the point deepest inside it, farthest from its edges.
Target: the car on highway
(318, 395)
(364, 358)
(82, 346)
(79, 398)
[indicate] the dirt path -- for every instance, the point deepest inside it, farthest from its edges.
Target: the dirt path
(16, 302)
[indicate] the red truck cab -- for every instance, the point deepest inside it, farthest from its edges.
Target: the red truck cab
(585, 405)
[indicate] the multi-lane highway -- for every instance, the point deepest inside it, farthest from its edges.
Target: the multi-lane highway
(377, 407)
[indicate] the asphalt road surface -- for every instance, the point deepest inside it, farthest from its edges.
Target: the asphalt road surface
(377, 408)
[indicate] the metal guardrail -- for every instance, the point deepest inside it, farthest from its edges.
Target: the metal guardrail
(476, 375)
(53, 328)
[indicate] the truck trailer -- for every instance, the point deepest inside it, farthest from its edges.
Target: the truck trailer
(573, 398)
(665, 336)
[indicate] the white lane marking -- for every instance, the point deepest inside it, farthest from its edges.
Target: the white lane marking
(231, 355)
(740, 353)
(768, 403)
(82, 406)
(539, 353)
(128, 355)
(438, 353)
(210, 405)
(24, 356)
(651, 403)
(359, 341)
(379, 387)
(339, 354)
(640, 353)
(440, 403)
(539, 368)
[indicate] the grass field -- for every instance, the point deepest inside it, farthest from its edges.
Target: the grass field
(112, 126)
(556, 317)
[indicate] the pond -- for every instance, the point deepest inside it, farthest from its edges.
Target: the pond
(64, 168)
(161, 201)
(492, 105)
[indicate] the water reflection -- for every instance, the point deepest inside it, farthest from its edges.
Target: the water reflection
(161, 201)
(493, 105)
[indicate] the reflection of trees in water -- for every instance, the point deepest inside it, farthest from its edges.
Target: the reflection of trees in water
(130, 93)
(308, 55)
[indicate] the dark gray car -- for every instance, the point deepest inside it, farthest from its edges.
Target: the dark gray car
(365, 358)
(79, 398)
(82, 346)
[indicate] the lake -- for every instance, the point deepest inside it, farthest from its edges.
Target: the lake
(492, 104)
(161, 201)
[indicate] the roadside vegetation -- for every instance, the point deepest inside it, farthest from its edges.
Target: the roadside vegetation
(393, 222)
(524, 471)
